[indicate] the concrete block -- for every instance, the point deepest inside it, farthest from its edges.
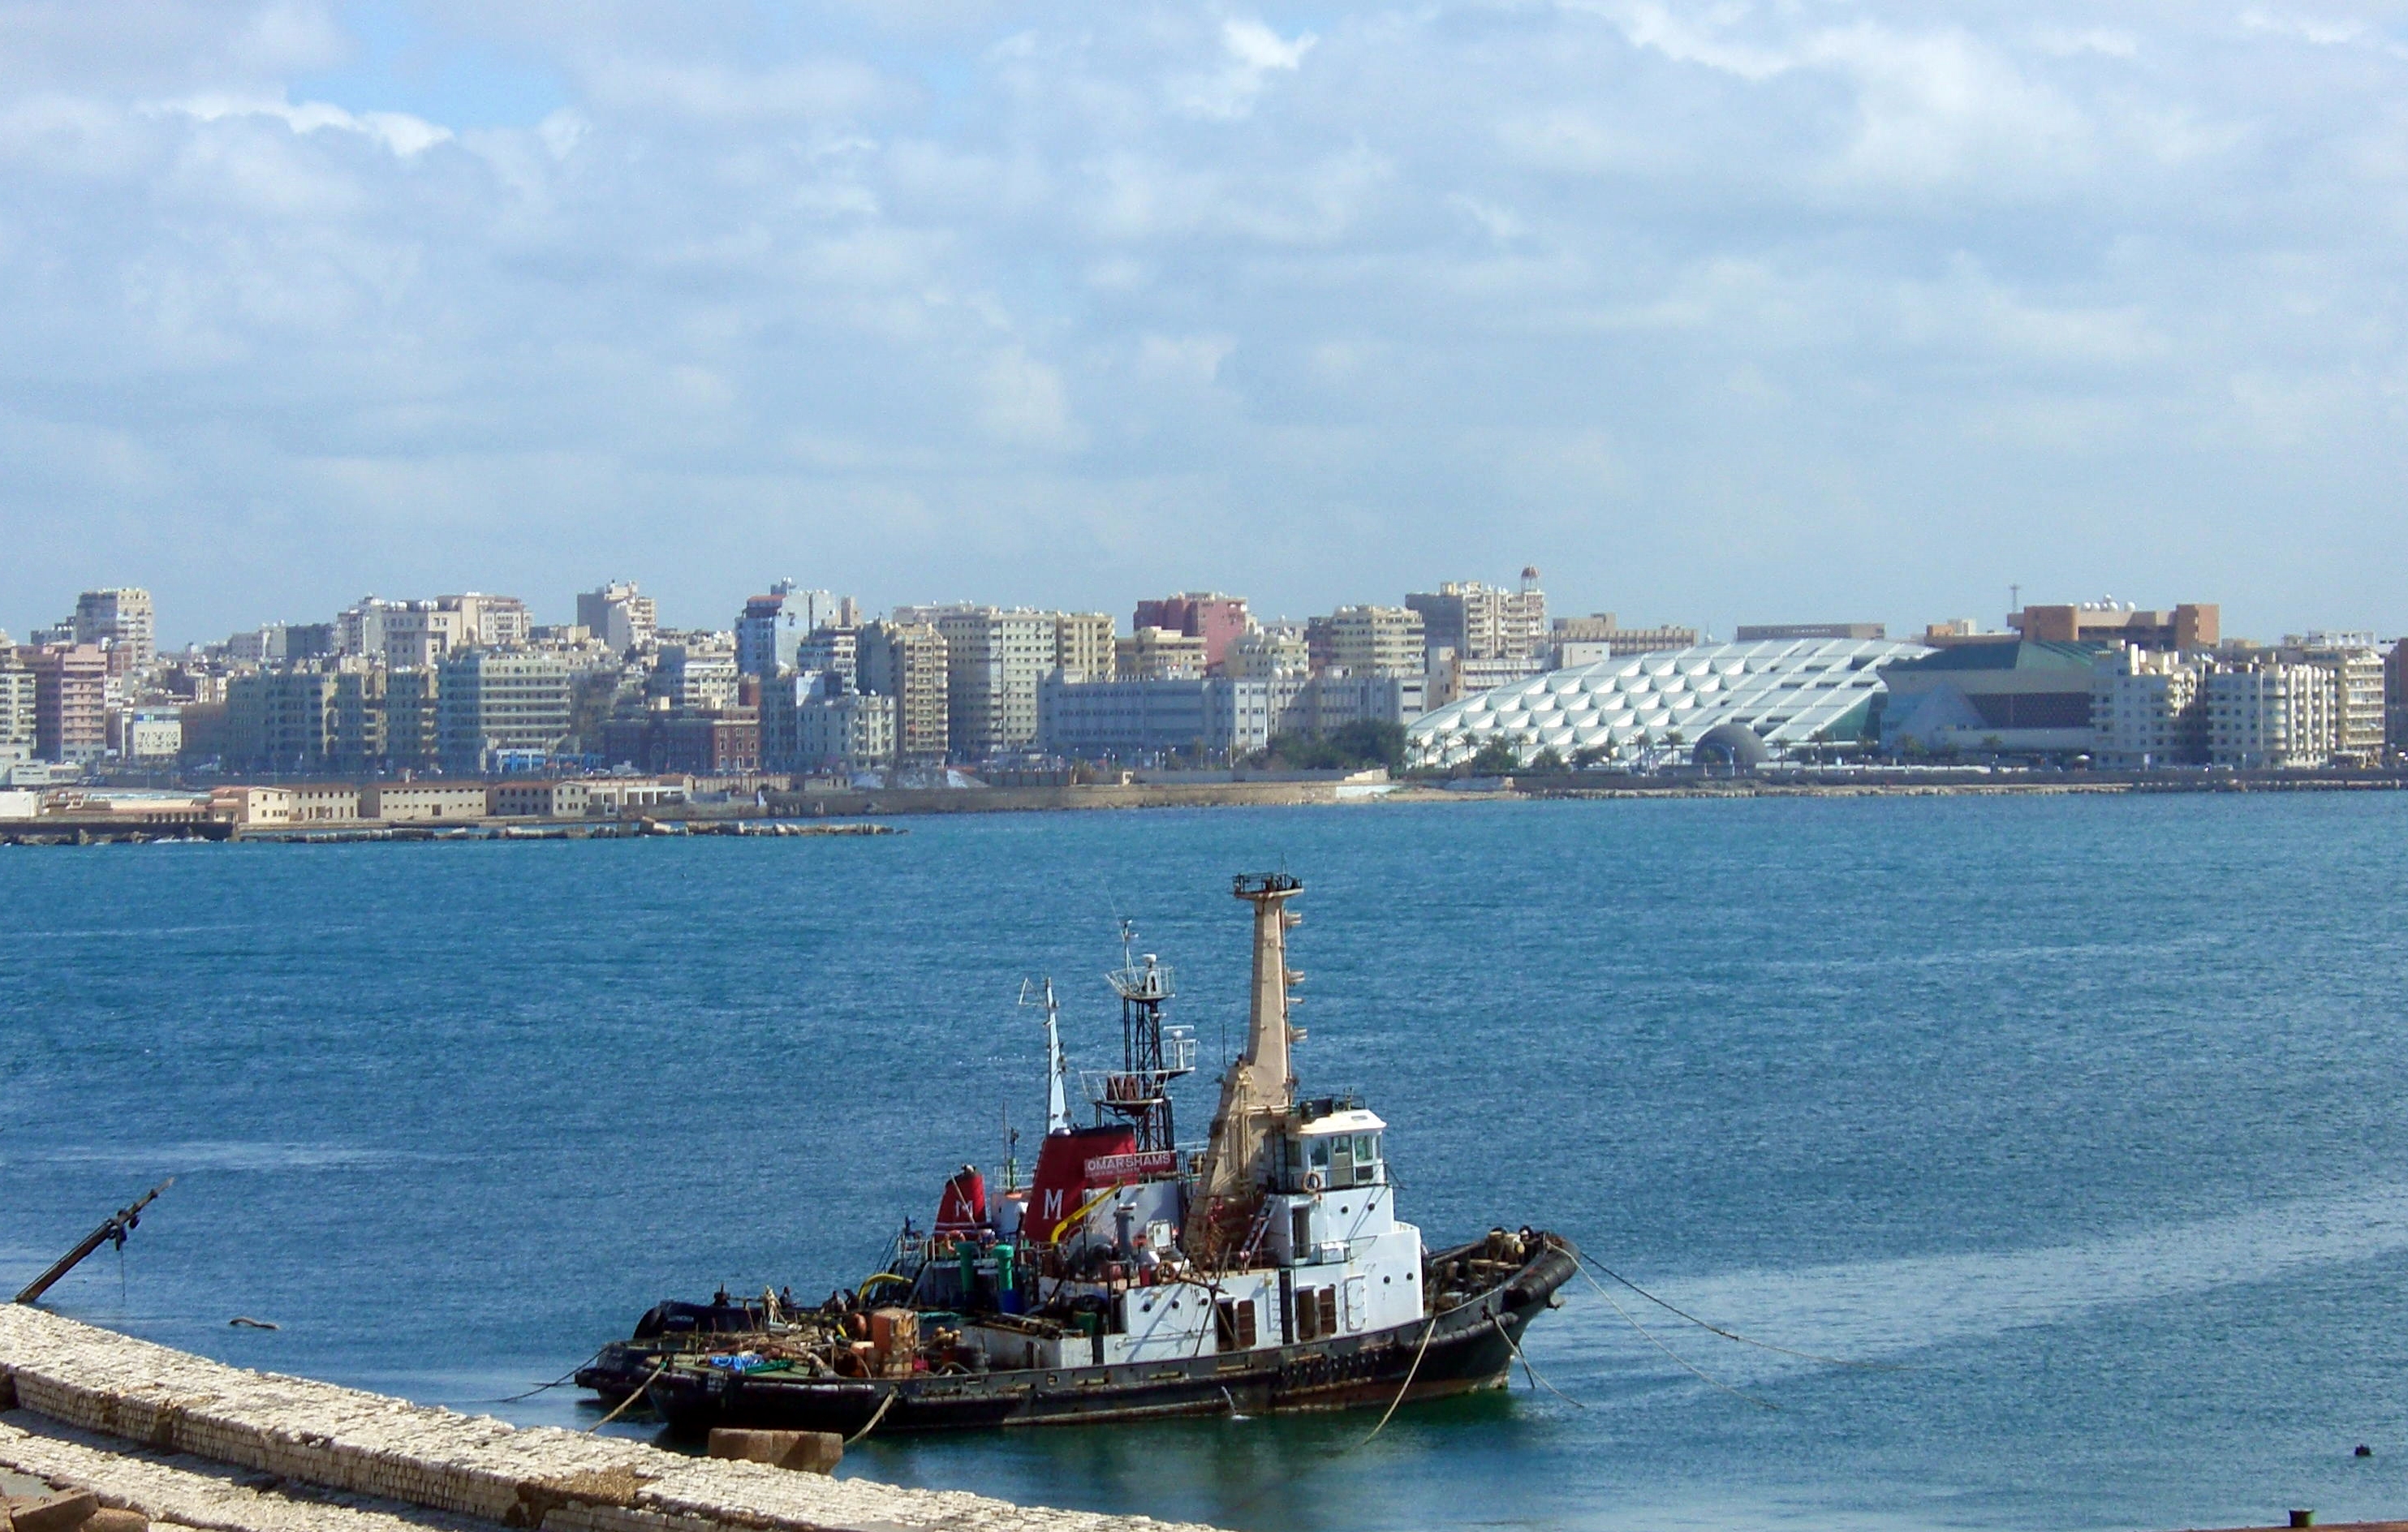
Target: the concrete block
(811, 1452)
(61, 1513)
(111, 1518)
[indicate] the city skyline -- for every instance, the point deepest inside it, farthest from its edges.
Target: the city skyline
(1716, 314)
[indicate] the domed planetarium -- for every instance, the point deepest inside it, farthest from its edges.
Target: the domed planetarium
(1737, 704)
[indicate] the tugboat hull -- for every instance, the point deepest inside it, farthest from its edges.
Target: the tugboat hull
(1469, 1348)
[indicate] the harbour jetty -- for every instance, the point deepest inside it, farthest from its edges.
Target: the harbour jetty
(183, 1441)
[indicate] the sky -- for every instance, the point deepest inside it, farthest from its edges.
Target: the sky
(1721, 312)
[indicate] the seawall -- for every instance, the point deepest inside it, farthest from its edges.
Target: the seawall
(164, 1405)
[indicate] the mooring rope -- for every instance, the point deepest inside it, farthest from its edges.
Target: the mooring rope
(1728, 1335)
(1430, 1330)
(621, 1407)
(877, 1416)
(554, 1383)
(1631, 1321)
(1499, 1322)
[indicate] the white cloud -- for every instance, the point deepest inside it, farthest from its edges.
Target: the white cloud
(399, 132)
(1013, 302)
(1251, 53)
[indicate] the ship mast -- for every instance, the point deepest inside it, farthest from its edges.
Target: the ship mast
(1057, 1096)
(1152, 1055)
(1260, 1087)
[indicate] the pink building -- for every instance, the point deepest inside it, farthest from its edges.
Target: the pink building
(1219, 619)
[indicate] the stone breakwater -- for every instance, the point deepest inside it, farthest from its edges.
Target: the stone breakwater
(163, 1405)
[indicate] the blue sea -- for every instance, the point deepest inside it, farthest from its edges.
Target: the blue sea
(2083, 1121)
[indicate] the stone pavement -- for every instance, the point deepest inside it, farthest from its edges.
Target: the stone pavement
(142, 1415)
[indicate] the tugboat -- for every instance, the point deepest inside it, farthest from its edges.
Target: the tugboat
(1131, 1279)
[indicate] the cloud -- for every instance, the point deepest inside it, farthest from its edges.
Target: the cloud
(1707, 308)
(1252, 55)
(399, 132)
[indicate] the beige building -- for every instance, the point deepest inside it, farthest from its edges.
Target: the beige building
(538, 799)
(2147, 709)
(251, 804)
(2356, 667)
(1604, 638)
(324, 803)
(412, 725)
(909, 662)
(1476, 621)
(1267, 652)
(412, 803)
(2191, 625)
(1367, 642)
(618, 615)
(1083, 641)
(994, 661)
(1153, 654)
(122, 620)
(850, 731)
(2265, 715)
(500, 700)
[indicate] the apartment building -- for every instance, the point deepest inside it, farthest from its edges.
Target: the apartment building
(1085, 641)
(910, 663)
(2148, 709)
(1367, 642)
(16, 710)
(122, 620)
(618, 615)
(2265, 715)
(2356, 665)
(993, 662)
(1152, 653)
(1218, 620)
(493, 700)
(1476, 621)
(70, 702)
(1279, 649)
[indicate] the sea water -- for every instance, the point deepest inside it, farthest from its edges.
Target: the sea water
(2080, 1120)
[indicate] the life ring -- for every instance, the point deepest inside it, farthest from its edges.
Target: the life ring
(1312, 1181)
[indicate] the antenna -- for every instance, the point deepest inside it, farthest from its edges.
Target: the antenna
(1057, 1101)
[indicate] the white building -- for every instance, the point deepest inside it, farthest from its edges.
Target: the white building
(2268, 715)
(843, 731)
(2355, 663)
(16, 688)
(2146, 709)
(618, 615)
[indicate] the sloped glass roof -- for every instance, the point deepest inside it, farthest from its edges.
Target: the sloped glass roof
(1787, 690)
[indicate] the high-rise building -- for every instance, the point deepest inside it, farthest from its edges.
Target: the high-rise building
(2148, 709)
(2395, 696)
(412, 720)
(1219, 619)
(17, 710)
(1367, 642)
(831, 651)
(1279, 649)
(756, 635)
(1083, 642)
(1598, 636)
(910, 663)
(121, 618)
(2265, 715)
(357, 747)
(696, 678)
(774, 627)
(2356, 665)
(1152, 654)
(994, 661)
(1478, 622)
(494, 702)
(618, 615)
(70, 702)
(281, 721)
